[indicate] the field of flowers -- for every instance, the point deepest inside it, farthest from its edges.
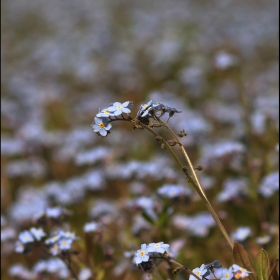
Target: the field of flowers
(89, 187)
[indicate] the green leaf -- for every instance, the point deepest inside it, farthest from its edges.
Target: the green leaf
(274, 273)
(262, 265)
(147, 217)
(163, 217)
(242, 259)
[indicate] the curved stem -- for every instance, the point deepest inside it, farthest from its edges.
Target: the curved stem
(195, 182)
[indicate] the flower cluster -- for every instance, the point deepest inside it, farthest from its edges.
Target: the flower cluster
(60, 242)
(26, 237)
(148, 251)
(102, 120)
(215, 271)
(150, 109)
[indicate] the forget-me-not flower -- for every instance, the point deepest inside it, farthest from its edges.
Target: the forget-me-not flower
(142, 255)
(118, 108)
(101, 126)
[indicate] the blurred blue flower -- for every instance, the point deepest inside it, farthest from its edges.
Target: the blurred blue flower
(173, 191)
(19, 247)
(101, 126)
(263, 239)
(65, 243)
(37, 233)
(241, 234)
(242, 272)
(91, 227)
(269, 184)
(26, 237)
(84, 274)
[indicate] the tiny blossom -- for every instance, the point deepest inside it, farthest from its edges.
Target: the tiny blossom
(143, 108)
(101, 126)
(241, 234)
(40, 266)
(54, 212)
(8, 234)
(91, 227)
(199, 271)
(26, 237)
(173, 191)
(213, 270)
(37, 233)
(105, 113)
(240, 270)
(84, 274)
(269, 184)
(118, 108)
(263, 239)
(142, 255)
(65, 244)
(55, 249)
(159, 247)
(19, 247)
(227, 274)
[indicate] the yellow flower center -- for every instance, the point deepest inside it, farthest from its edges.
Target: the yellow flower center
(227, 275)
(107, 112)
(101, 125)
(142, 253)
(157, 245)
(119, 107)
(198, 273)
(237, 275)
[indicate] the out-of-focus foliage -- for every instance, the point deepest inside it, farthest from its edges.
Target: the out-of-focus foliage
(62, 61)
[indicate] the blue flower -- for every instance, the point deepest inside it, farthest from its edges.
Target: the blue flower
(199, 271)
(65, 243)
(20, 247)
(91, 227)
(105, 113)
(25, 237)
(85, 274)
(159, 247)
(239, 272)
(241, 234)
(143, 108)
(101, 126)
(37, 233)
(173, 191)
(227, 274)
(142, 255)
(119, 108)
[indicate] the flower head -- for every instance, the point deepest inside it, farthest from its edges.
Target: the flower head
(84, 274)
(240, 272)
(159, 247)
(37, 233)
(26, 237)
(19, 247)
(118, 108)
(199, 271)
(101, 126)
(105, 112)
(227, 274)
(142, 255)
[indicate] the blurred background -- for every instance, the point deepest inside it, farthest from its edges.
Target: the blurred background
(216, 61)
